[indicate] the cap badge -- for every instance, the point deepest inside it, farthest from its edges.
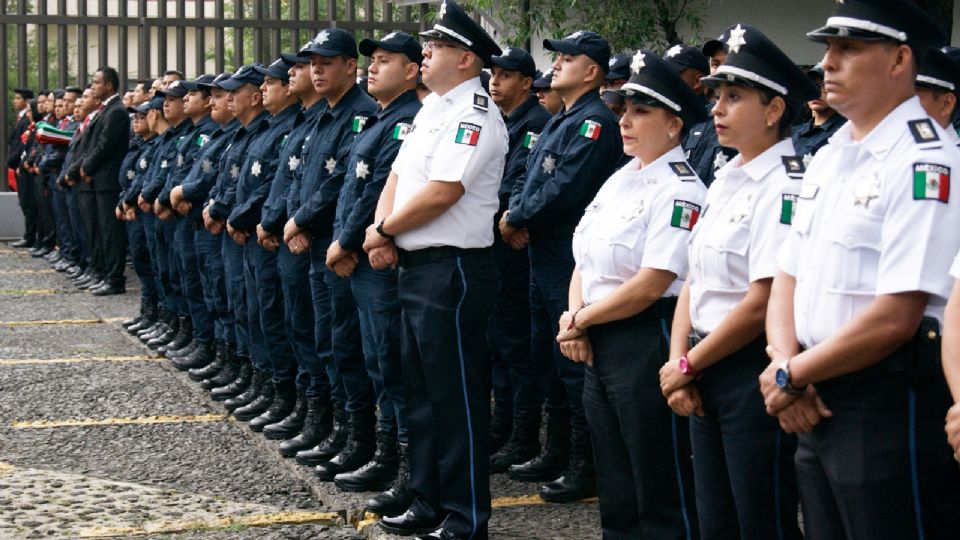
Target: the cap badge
(638, 62)
(675, 50)
(443, 10)
(736, 39)
(323, 37)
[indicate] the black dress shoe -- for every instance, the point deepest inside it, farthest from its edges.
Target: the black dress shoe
(40, 251)
(73, 271)
(445, 534)
(108, 290)
(410, 523)
(22, 243)
(62, 265)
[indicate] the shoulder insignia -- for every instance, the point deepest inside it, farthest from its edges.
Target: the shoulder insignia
(931, 181)
(283, 141)
(590, 129)
(923, 131)
(682, 170)
(400, 131)
(685, 214)
(788, 208)
(203, 139)
(180, 140)
(795, 166)
(468, 134)
(481, 103)
(358, 122)
(530, 139)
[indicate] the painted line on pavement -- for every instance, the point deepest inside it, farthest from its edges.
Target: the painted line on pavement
(60, 322)
(17, 272)
(255, 520)
(140, 420)
(75, 360)
(26, 292)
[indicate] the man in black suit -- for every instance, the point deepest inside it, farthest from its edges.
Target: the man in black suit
(101, 151)
(15, 147)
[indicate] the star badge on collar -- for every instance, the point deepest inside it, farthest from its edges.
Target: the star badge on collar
(638, 62)
(293, 163)
(164, 164)
(255, 168)
(807, 158)
(362, 169)
(736, 39)
(330, 165)
(549, 164)
(179, 160)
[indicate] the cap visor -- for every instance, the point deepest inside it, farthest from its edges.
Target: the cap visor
(294, 58)
(561, 46)
(711, 47)
(231, 84)
(821, 34)
(322, 51)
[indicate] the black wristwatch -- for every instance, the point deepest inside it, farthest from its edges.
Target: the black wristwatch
(381, 232)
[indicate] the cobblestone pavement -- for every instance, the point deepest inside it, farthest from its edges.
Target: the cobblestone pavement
(101, 439)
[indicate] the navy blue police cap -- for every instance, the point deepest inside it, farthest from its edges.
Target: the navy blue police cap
(156, 102)
(516, 59)
(543, 81)
(245, 75)
(712, 46)
(398, 42)
(655, 82)
(300, 57)
(454, 25)
(331, 42)
(584, 42)
(682, 56)
(194, 85)
(901, 21)
(940, 71)
(215, 83)
(175, 89)
(278, 70)
(618, 67)
(753, 60)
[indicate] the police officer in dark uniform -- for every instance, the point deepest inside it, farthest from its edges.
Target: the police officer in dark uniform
(547, 97)
(702, 149)
(576, 152)
(814, 134)
(393, 71)
(618, 71)
(264, 297)
(515, 424)
(938, 85)
(333, 55)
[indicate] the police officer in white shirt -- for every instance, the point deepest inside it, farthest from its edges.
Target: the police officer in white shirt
(743, 462)
(434, 218)
(938, 84)
(854, 316)
(951, 359)
(630, 249)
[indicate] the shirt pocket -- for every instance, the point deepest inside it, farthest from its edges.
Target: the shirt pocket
(725, 257)
(627, 237)
(854, 255)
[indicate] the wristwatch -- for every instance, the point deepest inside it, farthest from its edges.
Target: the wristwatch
(380, 230)
(686, 368)
(783, 380)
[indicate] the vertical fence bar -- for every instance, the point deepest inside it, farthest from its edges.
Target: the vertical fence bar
(143, 42)
(181, 38)
(43, 61)
(162, 39)
(21, 46)
(4, 99)
(122, 63)
(82, 46)
(238, 34)
(219, 49)
(63, 51)
(258, 32)
(103, 47)
(201, 47)
(276, 15)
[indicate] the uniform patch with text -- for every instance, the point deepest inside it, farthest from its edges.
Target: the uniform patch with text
(468, 134)
(685, 214)
(931, 182)
(358, 123)
(530, 139)
(788, 208)
(400, 131)
(590, 129)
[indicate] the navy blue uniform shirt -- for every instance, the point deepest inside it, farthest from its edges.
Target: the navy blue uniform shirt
(808, 138)
(200, 180)
(187, 152)
(524, 126)
(703, 149)
(165, 160)
(224, 193)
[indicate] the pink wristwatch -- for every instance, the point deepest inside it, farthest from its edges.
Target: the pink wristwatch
(685, 367)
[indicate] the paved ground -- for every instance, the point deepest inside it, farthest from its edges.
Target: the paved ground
(98, 439)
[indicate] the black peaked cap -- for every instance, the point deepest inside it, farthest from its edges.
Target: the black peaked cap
(654, 82)
(453, 24)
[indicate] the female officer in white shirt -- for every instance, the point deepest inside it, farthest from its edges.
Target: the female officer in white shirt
(743, 461)
(631, 253)
(951, 359)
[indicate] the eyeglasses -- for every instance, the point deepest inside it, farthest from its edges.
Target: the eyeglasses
(431, 45)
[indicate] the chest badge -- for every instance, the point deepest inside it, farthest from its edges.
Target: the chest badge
(234, 171)
(719, 160)
(293, 163)
(549, 164)
(866, 190)
(330, 165)
(362, 170)
(207, 166)
(255, 168)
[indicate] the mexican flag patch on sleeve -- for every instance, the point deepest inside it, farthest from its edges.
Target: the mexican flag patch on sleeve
(685, 214)
(931, 182)
(400, 131)
(468, 134)
(530, 139)
(590, 129)
(788, 207)
(358, 123)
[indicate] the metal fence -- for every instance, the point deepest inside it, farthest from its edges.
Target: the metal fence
(82, 35)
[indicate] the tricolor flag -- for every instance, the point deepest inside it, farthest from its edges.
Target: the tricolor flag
(400, 131)
(685, 214)
(358, 122)
(530, 139)
(468, 134)
(48, 134)
(590, 129)
(788, 207)
(931, 181)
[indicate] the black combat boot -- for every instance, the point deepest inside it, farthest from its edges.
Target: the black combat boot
(173, 329)
(522, 446)
(257, 407)
(317, 425)
(501, 422)
(147, 318)
(183, 337)
(250, 393)
(283, 403)
(232, 386)
(157, 328)
(211, 370)
(358, 450)
(555, 455)
(579, 480)
(379, 472)
(291, 424)
(201, 356)
(329, 446)
(398, 498)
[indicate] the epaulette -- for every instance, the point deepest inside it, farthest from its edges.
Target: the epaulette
(683, 171)
(794, 166)
(480, 102)
(924, 134)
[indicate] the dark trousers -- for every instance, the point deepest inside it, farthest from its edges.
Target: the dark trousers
(881, 466)
(560, 380)
(743, 461)
(150, 226)
(42, 202)
(213, 283)
(61, 218)
(190, 284)
(298, 322)
(346, 343)
(641, 449)
(25, 198)
(259, 353)
(262, 265)
(375, 294)
(87, 206)
(514, 376)
(76, 224)
(140, 254)
(169, 269)
(446, 309)
(233, 269)
(323, 319)
(113, 237)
